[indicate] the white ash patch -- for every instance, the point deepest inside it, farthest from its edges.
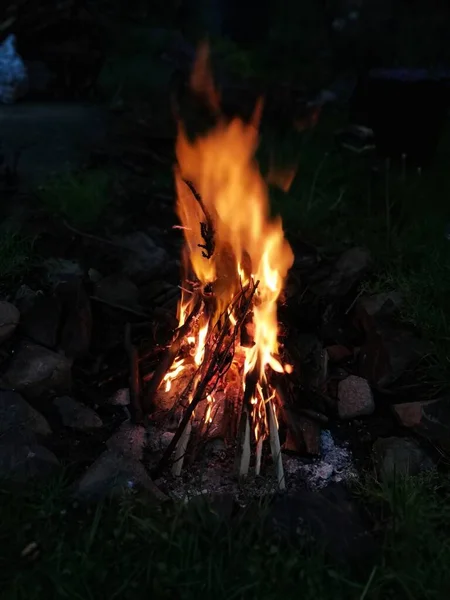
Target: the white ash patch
(335, 465)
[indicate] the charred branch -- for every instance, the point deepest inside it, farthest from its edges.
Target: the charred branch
(206, 227)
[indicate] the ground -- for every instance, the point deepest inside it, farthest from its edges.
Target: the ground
(95, 179)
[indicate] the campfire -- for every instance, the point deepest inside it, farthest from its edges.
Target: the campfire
(219, 375)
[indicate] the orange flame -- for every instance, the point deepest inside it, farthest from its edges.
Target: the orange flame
(248, 242)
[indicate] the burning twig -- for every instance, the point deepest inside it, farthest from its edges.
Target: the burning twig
(206, 229)
(135, 380)
(171, 354)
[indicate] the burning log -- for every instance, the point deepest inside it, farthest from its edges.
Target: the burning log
(209, 372)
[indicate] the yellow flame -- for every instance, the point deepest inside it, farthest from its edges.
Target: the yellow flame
(249, 244)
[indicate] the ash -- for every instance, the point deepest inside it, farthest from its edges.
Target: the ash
(213, 473)
(335, 465)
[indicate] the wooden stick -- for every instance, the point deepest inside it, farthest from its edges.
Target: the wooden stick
(242, 460)
(259, 447)
(135, 380)
(180, 450)
(275, 446)
(243, 445)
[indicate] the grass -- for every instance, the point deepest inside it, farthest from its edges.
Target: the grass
(79, 197)
(15, 252)
(131, 548)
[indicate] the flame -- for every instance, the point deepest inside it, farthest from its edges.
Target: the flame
(249, 243)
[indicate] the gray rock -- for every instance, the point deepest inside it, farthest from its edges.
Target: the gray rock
(17, 415)
(60, 270)
(9, 319)
(430, 419)
(113, 474)
(355, 398)
(346, 272)
(399, 457)
(129, 440)
(118, 289)
(384, 304)
(25, 298)
(35, 369)
(389, 351)
(120, 397)
(41, 321)
(77, 328)
(22, 459)
(146, 259)
(75, 415)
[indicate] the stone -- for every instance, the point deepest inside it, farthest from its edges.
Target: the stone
(338, 353)
(17, 415)
(62, 270)
(77, 327)
(388, 351)
(430, 419)
(346, 272)
(34, 369)
(9, 319)
(121, 397)
(23, 459)
(129, 440)
(399, 457)
(355, 398)
(118, 289)
(113, 474)
(330, 516)
(41, 321)
(146, 260)
(25, 298)
(383, 304)
(75, 415)
(303, 435)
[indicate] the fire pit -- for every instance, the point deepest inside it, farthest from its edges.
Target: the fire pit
(219, 376)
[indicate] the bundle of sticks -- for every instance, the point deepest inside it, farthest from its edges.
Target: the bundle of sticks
(219, 359)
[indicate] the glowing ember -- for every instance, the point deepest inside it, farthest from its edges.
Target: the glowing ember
(248, 246)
